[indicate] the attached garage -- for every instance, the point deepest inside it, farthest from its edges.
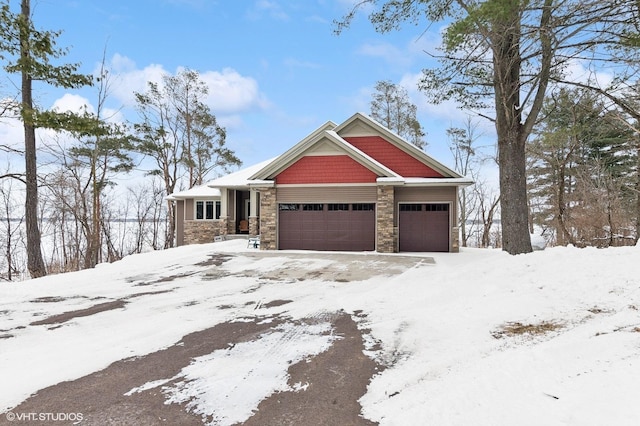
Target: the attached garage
(354, 186)
(423, 227)
(327, 226)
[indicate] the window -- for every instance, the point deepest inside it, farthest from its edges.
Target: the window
(436, 207)
(363, 207)
(288, 207)
(410, 207)
(313, 207)
(207, 210)
(338, 207)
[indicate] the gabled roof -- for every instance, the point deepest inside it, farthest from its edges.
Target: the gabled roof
(321, 135)
(331, 132)
(399, 142)
(329, 135)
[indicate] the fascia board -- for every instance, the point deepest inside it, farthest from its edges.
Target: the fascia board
(462, 181)
(291, 154)
(261, 183)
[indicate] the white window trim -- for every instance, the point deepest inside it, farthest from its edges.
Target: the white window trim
(204, 209)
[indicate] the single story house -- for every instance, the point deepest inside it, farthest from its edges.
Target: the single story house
(354, 186)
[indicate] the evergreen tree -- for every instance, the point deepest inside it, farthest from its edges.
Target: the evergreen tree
(580, 163)
(28, 51)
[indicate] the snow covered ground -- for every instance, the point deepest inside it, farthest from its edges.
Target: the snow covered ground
(478, 337)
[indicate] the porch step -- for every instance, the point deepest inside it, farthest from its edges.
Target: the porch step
(236, 237)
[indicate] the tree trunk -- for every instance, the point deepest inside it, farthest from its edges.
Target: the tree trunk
(514, 213)
(513, 192)
(171, 226)
(35, 263)
(637, 237)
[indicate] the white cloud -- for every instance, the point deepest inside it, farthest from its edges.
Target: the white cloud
(12, 137)
(230, 92)
(127, 78)
(386, 51)
(577, 71)
(72, 103)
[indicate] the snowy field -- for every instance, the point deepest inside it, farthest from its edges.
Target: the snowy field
(474, 338)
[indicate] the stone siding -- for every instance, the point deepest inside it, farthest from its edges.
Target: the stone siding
(254, 226)
(268, 219)
(230, 226)
(203, 231)
(387, 234)
(455, 239)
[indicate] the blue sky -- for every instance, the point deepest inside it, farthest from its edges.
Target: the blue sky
(275, 68)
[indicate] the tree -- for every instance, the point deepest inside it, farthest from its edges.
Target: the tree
(569, 119)
(11, 236)
(582, 170)
(461, 145)
(103, 148)
(147, 202)
(392, 107)
(181, 135)
(28, 52)
(501, 55)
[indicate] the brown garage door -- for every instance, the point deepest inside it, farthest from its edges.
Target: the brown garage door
(423, 227)
(340, 227)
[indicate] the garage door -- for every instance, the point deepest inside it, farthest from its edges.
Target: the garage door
(341, 227)
(423, 227)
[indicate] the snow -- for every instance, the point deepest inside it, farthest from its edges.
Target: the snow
(440, 327)
(231, 383)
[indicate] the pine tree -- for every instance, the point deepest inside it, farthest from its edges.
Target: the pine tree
(28, 51)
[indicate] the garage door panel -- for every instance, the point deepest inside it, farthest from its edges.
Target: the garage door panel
(335, 227)
(424, 227)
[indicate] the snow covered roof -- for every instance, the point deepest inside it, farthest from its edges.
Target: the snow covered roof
(461, 181)
(200, 191)
(239, 178)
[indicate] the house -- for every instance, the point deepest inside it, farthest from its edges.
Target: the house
(355, 186)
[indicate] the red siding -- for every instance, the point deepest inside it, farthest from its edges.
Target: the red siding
(326, 169)
(392, 157)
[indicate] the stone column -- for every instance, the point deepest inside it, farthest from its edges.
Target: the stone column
(455, 239)
(254, 226)
(229, 224)
(385, 231)
(224, 226)
(268, 219)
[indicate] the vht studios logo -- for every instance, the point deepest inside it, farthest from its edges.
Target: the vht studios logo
(44, 417)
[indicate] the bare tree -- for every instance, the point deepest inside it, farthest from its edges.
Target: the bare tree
(150, 215)
(392, 107)
(11, 237)
(462, 146)
(488, 207)
(181, 135)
